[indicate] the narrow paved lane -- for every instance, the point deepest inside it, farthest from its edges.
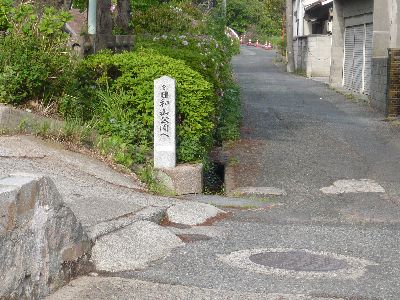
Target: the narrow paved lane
(312, 136)
(334, 234)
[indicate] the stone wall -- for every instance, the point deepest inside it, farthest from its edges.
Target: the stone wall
(313, 55)
(90, 44)
(393, 83)
(42, 244)
(379, 84)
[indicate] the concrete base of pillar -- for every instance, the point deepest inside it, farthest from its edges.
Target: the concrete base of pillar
(183, 179)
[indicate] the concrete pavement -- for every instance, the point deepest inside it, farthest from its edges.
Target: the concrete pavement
(120, 218)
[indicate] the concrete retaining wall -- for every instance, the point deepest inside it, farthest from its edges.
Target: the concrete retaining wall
(313, 55)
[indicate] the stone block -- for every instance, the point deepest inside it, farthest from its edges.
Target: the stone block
(183, 179)
(164, 123)
(117, 43)
(38, 236)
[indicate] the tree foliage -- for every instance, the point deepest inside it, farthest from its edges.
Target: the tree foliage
(263, 16)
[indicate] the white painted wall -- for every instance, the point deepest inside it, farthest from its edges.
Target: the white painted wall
(298, 19)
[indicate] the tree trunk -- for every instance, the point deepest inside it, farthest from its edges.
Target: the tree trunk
(123, 15)
(104, 20)
(289, 36)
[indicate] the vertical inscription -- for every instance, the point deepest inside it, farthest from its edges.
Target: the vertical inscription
(164, 123)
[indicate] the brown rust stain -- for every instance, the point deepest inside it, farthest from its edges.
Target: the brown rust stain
(209, 222)
(11, 223)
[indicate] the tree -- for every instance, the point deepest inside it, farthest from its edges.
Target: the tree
(271, 19)
(263, 16)
(123, 15)
(243, 14)
(104, 23)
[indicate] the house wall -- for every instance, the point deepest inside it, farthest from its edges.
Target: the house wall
(346, 13)
(357, 7)
(386, 35)
(385, 16)
(300, 26)
(337, 54)
(312, 55)
(381, 41)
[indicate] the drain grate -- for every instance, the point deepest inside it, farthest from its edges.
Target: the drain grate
(298, 261)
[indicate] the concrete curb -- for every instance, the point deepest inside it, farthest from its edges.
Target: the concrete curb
(15, 120)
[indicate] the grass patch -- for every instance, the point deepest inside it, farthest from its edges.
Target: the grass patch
(147, 175)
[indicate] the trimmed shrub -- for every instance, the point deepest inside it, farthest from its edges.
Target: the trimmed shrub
(125, 101)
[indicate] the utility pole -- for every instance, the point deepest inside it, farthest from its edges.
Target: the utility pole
(289, 36)
(92, 12)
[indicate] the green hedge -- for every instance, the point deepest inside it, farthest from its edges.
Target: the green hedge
(124, 84)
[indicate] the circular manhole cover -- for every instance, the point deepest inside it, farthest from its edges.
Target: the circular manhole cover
(298, 261)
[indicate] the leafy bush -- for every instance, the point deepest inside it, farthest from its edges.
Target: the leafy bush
(34, 63)
(230, 116)
(201, 53)
(5, 7)
(125, 101)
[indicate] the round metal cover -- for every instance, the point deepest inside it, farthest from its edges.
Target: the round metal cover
(298, 261)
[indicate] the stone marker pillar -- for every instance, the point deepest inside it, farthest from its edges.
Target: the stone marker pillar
(164, 123)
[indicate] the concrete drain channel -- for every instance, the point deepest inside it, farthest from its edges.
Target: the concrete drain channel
(301, 263)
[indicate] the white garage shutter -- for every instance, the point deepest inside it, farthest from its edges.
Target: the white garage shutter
(348, 58)
(358, 58)
(368, 58)
(359, 36)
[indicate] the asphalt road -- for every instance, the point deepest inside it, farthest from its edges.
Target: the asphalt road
(323, 239)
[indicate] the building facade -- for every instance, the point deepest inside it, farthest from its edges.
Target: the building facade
(312, 36)
(363, 32)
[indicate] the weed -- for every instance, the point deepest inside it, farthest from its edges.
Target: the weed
(23, 125)
(42, 129)
(247, 207)
(233, 161)
(394, 121)
(262, 199)
(300, 72)
(4, 131)
(147, 175)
